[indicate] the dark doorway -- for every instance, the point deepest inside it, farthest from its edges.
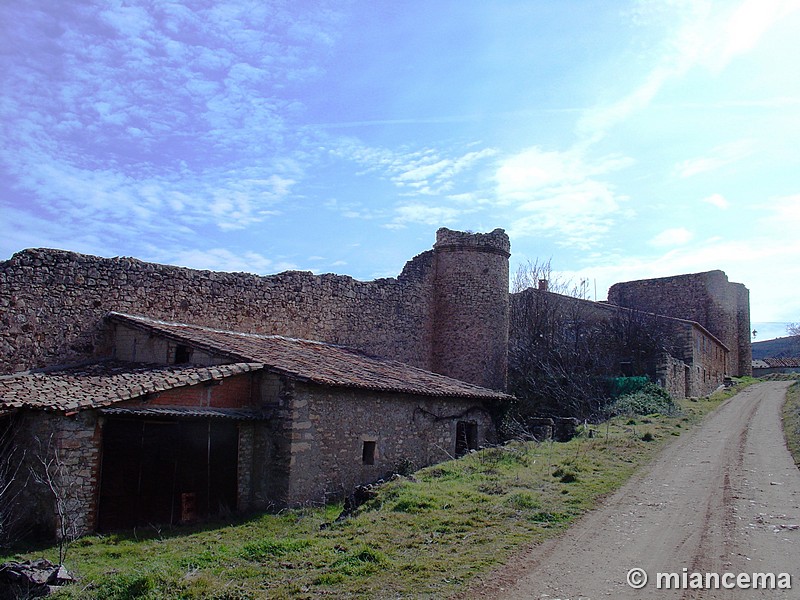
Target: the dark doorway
(466, 437)
(166, 471)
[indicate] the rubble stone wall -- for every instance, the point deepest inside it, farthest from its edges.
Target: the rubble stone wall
(708, 298)
(62, 456)
(52, 305)
(330, 427)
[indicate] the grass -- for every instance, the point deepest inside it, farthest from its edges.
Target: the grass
(791, 421)
(424, 536)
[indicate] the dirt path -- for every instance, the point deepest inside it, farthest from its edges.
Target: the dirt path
(722, 498)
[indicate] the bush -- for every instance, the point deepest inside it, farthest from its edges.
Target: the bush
(650, 399)
(623, 386)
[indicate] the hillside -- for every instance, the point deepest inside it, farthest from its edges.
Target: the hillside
(778, 348)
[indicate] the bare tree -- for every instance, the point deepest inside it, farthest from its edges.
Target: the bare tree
(563, 349)
(793, 328)
(49, 471)
(12, 482)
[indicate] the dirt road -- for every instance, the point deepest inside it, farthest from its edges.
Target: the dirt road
(723, 498)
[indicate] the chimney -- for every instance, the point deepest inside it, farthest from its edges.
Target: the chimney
(543, 285)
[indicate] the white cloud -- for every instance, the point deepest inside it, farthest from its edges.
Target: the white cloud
(677, 236)
(560, 194)
(113, 106)
(222, 259)
(425, 172)
(742, 29)
(717, 200)
(699, 33)
(719, 157)
(425, 214)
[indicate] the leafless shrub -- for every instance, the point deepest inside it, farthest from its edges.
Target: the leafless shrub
(13, 478)
(563, 349)
(48, 470)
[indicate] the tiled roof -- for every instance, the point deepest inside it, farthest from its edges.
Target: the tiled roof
(236, 414)
(103, 384)
(776, 363)
(316, 362)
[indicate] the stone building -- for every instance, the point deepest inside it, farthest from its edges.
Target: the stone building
(684, 357)
(446, 312)
(183, 422)
(709, 299)
(300, 386)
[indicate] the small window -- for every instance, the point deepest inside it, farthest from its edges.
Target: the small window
(182, 354)
(368, 453)
(466, 437)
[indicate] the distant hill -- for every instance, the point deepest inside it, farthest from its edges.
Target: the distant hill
(784, 347)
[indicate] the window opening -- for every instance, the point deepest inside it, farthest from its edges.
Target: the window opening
(368, 453)
(182, 354)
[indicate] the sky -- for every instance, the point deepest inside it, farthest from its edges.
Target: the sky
(618, 140)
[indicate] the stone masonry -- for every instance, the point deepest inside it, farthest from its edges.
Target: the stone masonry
(433, 315)
(708, 298)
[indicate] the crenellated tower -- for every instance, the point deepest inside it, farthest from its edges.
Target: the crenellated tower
(470, 309)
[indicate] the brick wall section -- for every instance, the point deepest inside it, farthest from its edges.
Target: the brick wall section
(330, 427)
(231, 392)
(708, 298)
(52, 305)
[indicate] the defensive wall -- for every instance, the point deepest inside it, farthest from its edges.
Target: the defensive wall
(722, 307)
(446, 312)
(681, 355)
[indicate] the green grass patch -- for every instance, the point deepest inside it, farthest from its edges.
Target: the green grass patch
(791, 421)
(425, 536)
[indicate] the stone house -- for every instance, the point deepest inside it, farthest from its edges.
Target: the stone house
(770, 365)
(185, 421)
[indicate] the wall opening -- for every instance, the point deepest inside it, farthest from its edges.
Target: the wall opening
(166, 471)
(183, 354)
(368, 453)
(466, 437)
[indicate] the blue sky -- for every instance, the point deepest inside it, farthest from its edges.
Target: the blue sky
(620, 140)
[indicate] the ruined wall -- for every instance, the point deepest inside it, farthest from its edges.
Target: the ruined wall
(470, 321)
(708, 298)
(330, 427)
(689, 361)
(52, 305)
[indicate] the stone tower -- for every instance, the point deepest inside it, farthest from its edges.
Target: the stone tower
(470, 309)
(721, 306)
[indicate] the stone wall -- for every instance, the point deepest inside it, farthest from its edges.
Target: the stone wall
(70, 449)
(331, 426)
(470, 322)
(673, 375)
(686, 345)
(445, 312)
(708, 298)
